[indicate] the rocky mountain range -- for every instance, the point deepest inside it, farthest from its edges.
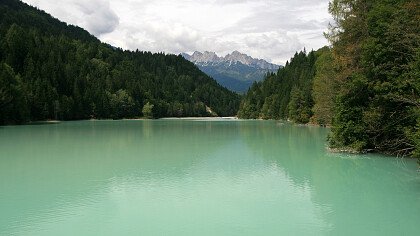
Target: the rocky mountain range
(235, 71)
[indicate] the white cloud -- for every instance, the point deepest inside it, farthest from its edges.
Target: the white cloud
(96, 16)
(99, 17)
(269, 29)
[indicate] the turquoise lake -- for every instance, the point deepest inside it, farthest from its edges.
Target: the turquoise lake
(198, 177)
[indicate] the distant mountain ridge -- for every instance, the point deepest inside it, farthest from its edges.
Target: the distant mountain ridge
(235, 71)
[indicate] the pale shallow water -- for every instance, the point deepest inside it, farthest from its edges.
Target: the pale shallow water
(198, 177)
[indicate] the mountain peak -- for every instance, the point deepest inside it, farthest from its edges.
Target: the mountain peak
(236, 71)
(237, 53)
(197, 53)
(202, 57)
(234, 57)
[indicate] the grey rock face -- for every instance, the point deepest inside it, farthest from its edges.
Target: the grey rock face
(236, 71)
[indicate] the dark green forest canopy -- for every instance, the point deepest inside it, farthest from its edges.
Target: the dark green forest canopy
(367, 85)
(376, 45)
(284, 95)
(51, 70)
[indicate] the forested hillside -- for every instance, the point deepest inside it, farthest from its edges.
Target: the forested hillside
(285, 95)
(51, 70)
(367, 85)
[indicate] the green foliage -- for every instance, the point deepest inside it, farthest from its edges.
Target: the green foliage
(376, 43)
(367, 86)
(270, 107)
(325, 88)
(121, 104)
(415, 137)
(148, 110)
(13, 107)
(285, 95)
(348, 128)
(299, 110)
(57, 71)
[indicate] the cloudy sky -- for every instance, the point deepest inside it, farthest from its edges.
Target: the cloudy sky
(268, 29)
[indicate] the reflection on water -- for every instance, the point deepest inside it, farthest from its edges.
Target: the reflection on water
(197, 177)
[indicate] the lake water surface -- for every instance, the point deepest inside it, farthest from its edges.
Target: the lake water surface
(198, 177)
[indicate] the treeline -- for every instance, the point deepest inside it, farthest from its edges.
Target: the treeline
(50, 70)
(366, 85)
(285, 95)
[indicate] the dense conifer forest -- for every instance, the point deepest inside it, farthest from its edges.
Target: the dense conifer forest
(366, 85)
(51, 70)
(285, 95)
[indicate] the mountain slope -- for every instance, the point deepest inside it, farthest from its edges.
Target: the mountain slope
(50, 70)
(235, 71)
(284, 95)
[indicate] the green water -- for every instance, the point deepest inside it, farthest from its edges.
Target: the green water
(198, 177)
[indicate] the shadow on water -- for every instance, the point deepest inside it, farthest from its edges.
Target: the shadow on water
(32, 123)
(43, 123)
(356, 194)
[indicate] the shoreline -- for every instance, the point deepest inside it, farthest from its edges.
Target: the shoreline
(228, 118)
(200, 118)
(40, 122)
